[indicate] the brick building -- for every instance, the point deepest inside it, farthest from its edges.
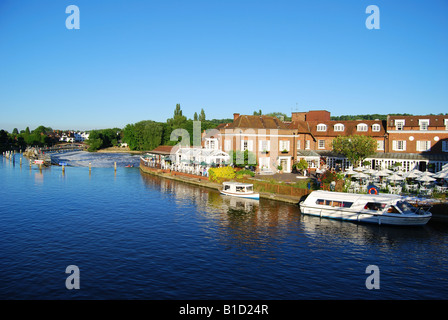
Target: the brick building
(414, 141)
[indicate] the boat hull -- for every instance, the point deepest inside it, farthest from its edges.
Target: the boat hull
(241, 195)
(365, 217)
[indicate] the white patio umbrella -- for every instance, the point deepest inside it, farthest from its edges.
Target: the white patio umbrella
(441, 174)
(386, 171)
(359, 169)
(411, 175)
(416, 171)
(360, 175)
(395, 177)
(426, 174)
(381, 173)
(426, 179)
(349, 171)
(370, 171)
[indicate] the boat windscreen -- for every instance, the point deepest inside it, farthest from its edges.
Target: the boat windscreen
(405, 206)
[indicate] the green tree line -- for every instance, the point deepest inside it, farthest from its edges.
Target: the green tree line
(24, 138)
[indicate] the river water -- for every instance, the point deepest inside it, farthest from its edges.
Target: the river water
(137, 236)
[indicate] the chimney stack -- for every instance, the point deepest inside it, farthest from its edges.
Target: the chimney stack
(235, 116)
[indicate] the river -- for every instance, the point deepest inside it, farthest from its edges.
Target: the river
(136, 236)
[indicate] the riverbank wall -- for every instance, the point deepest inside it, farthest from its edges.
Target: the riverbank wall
(205, 182)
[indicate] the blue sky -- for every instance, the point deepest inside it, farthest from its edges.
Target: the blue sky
(135, 60)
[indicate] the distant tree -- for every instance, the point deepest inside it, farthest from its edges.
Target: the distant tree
(27, 130)
(259, 113)
(178, 121)
(143, 135)
(15, 131)
(355, 148)
(195, 117)
(202, 115)
(279, 115)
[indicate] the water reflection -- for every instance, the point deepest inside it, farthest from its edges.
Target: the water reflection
(264, 218)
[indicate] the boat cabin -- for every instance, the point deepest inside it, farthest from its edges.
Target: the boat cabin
(238, 187)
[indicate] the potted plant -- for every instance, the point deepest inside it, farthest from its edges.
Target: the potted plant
(279, 168)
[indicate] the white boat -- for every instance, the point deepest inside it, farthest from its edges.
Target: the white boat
(390, 209)
(241, 190)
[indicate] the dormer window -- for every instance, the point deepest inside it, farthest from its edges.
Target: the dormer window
(321, 127)
(339, 127)
(362, 127)
(446, 124)
(376, 127)
(424, 124)
(399, 124)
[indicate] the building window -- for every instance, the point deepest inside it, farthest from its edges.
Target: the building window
(445, 145)
(298, 145)
(423, 145)
(446, 123)
(321, 144)
(321, 127)
(423, 123)
(283, 145)
(264, 145)
(247, 145)
(399, 124)
(227, 145)
(362, 127)
(307, 144)
(380, 145)
(211, 143)
(399, 145)
(376, 127)
(339, 127)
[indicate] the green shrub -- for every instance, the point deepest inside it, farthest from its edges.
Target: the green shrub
(242, 173)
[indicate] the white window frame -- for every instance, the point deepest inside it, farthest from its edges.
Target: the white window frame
(298, 145)
(283, 145)
(423, 145)
(227, 145)
(264, 145)
(339, 127)
(307, 145)
(399, 145)
(321, 127)
(321, 144)
(399, 124)
(446, 123)
(376, 127)
(423, 124)
(380, 145)
(247, 145)
(362, 127)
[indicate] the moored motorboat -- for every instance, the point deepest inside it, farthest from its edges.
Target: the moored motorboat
(238, 189)
(390, 209)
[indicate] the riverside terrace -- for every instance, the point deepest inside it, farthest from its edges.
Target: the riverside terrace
(197, 162)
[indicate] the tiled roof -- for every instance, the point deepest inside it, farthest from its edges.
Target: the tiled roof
(257, 122)
(350, 128)
(162, 150)
(412, 121)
